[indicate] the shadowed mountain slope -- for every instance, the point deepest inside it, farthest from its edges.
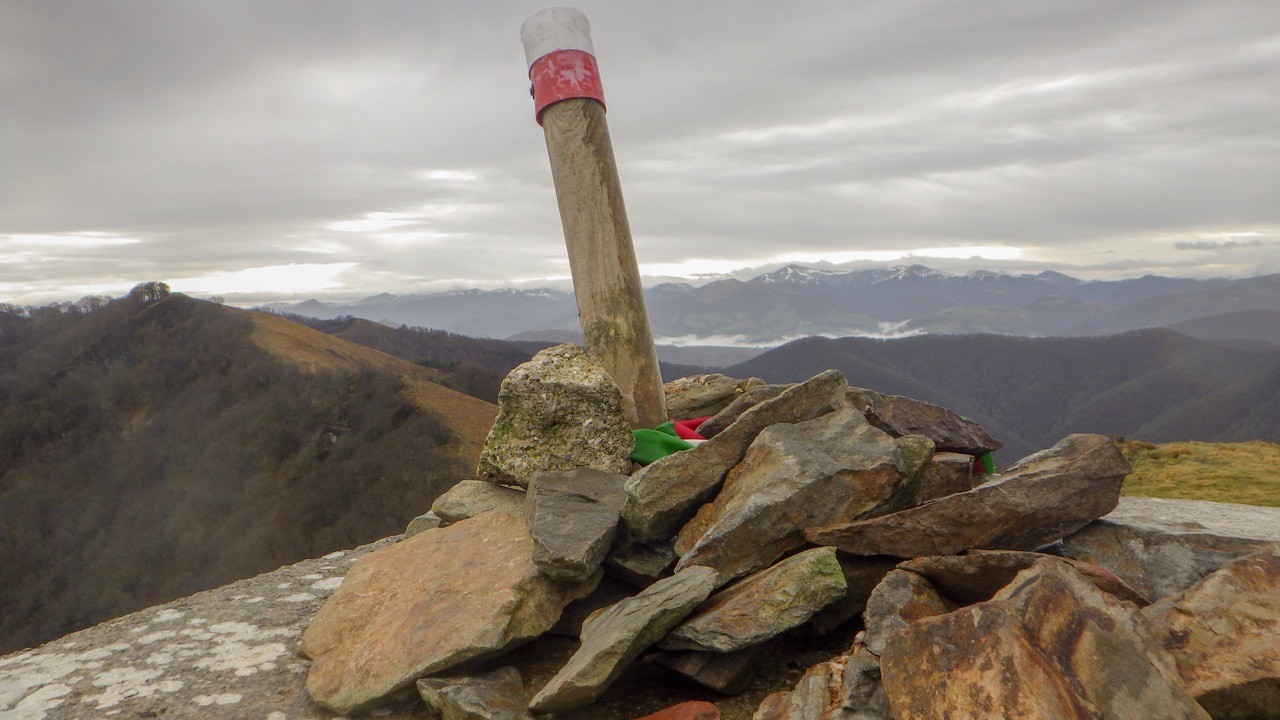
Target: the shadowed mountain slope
(151, 450)
(1155, 385)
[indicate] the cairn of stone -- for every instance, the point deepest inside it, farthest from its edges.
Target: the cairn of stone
(814, 510)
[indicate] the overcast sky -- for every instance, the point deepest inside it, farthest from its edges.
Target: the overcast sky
(260, 149)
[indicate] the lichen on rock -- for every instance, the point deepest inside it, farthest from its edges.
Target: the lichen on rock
(559, 411)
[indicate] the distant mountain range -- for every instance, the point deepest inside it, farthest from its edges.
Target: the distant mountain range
(796, 301)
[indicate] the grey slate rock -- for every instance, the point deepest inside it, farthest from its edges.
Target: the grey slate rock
(763, 605)
(574, 516)
(615, 636)
(1162, 547)
(1039, 499)
(833, 469)
(425, 521)
(496, 695)
(472, 497)
(899, 416)
(640, 564)
(749, 398)
(664, 495)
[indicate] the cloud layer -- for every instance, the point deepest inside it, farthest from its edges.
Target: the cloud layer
(391, 146)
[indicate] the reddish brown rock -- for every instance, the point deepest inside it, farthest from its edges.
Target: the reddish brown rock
(1050, 646)
(1224, 634)
(949, 473)
(427, 604)
(900, 599)
(978, 575)
(692, 710)
(662, 496)
(1041, 498)
(900, 416)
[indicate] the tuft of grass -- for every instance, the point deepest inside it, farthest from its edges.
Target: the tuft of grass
(1247, 473)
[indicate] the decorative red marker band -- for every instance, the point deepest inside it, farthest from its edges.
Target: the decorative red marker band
(564, 74)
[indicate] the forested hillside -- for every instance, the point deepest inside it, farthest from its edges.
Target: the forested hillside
(152, 447)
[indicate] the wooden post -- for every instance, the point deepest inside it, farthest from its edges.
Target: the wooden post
(602, 259)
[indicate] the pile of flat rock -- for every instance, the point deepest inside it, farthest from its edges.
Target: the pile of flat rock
(813, 510)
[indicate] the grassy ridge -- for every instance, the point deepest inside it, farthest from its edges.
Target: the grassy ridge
(1247, 473)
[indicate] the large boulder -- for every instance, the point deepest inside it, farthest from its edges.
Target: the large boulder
(428, 604)
(558, 411)
(833, 469)
(473, 497)
(1162, 547)
(615, 636)
(496, 695)
(899, 416)
(662, 496)
(762, 605)
(1051, 646)
(702, 395)
(574, 515)
(1041, 498)
(1224, 634)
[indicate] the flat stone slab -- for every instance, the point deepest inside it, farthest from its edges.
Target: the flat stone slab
(426, 605)
(763, 605)
(834, 469)
(1162, 546)
(661, 497)
(221, 654)
(1041, 498)
(615, 636)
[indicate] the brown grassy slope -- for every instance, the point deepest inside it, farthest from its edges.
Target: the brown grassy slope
(1247, 472)
(469, 418)
(149, 451)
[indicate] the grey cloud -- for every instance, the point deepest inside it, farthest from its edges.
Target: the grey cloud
(231, 135)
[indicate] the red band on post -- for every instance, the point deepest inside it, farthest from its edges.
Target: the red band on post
(562, 75)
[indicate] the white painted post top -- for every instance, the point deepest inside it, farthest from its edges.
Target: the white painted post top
(555, 28)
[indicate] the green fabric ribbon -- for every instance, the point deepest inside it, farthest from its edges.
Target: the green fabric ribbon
(652, 445)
